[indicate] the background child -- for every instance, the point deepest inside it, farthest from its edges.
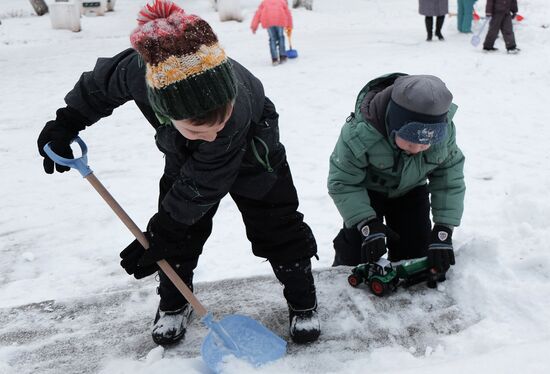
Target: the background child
(397, 159)
(274, 16)
(502, 12)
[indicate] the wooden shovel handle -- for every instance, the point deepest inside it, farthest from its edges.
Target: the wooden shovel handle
(163, 264)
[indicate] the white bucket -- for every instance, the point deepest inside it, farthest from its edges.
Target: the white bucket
(230, 10)
(111, 5)
(65, 15)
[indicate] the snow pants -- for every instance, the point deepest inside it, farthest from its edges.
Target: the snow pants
(408, 215)
(274, 227)
(465, 14)
(500, 22)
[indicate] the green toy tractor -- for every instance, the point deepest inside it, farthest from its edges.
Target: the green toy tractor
(383, 277)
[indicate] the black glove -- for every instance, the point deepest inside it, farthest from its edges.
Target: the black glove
(60, 139)
(132, 254)
(374, 234)
(165, 236)
(513, 15)
(60, 133)
(440, 251)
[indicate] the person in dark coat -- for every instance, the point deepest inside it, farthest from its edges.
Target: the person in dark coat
(430, 9)
(219, 134)
(502, 12)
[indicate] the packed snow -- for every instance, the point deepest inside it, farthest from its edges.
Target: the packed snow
(66, 306)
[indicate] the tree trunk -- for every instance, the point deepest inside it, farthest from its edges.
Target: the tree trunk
(308, 4)
(39, 6)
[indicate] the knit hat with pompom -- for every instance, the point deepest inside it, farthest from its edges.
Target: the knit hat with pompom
(188, 73)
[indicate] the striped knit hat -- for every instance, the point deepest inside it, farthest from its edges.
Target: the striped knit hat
(188, 73)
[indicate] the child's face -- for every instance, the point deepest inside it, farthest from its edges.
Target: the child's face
(207, 132)
(410, 148)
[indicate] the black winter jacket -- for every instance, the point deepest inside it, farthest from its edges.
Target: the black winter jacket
(501, 6)
(241, 160)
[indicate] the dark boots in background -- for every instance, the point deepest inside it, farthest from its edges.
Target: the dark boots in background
(429, 28)
(174, 312)
(299, 291)
(438, 26)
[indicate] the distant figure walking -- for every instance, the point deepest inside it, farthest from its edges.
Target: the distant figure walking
(502, 12)
(430, 9)
(274, 15)
(464, 15)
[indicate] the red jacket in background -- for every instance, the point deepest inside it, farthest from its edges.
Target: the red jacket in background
(272, 13)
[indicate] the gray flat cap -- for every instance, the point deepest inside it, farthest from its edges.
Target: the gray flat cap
(425, 94)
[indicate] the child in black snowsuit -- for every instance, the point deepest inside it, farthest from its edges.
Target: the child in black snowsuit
(502, 12)
(219, 134)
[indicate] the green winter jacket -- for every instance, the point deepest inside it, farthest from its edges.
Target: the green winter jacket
(367, 158)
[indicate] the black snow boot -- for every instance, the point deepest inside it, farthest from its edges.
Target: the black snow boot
(170, 326)
(429, 28)
(299, 291)
(173, 312)
(304, 325)
(438, 25)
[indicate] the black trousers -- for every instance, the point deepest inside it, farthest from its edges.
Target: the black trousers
(274, 227)
(408, 215)
(500, 22)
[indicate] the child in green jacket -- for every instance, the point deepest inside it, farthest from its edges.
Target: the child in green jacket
(396, 160)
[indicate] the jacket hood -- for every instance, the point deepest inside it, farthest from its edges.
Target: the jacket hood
(373, 100)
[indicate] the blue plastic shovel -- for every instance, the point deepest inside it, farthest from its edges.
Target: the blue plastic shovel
(476, 38)
(290, 53)
(234, 335)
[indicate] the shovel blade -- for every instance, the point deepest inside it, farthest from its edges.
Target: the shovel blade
(250, 341)
(475, 40)
(291, 53)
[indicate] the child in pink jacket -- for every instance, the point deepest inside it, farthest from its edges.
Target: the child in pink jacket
(274, 16)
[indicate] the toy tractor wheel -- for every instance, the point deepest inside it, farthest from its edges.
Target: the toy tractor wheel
(354, 280)
(377, 287)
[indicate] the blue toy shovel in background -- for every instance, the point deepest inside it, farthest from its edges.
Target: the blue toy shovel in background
(235, 335)
(476, 38)
(291, 53)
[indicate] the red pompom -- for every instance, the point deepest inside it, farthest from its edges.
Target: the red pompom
(159, 9)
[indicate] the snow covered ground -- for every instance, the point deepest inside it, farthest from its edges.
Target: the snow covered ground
(65, 302)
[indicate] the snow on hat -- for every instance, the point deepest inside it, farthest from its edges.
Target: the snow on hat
(418, 108)
(188, 73)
